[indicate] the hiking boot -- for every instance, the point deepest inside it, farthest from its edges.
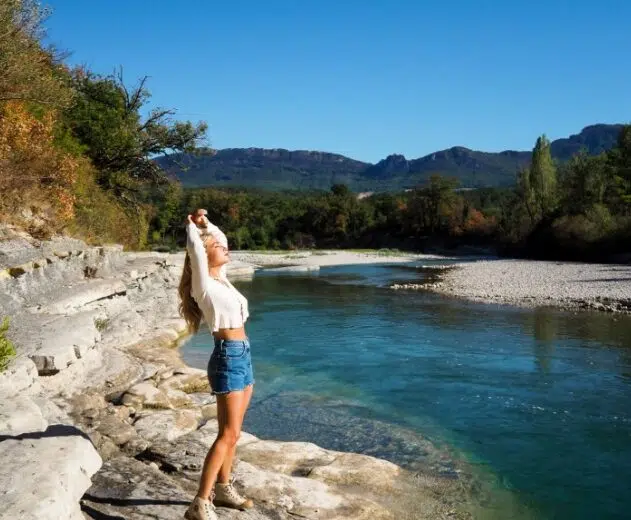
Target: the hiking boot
(227, 496)
(201, 509)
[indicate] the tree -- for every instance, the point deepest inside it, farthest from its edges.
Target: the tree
(537, 184)
(27, 71)
(543, 176)
(121, 143)
(583, 181)
(430, 204)
(619, 159)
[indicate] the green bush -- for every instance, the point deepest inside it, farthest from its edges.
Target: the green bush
(7, 350)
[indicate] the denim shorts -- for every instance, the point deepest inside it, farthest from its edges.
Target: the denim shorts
(230, 366)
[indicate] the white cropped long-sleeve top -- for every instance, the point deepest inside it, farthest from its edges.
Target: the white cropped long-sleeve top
(222, 305)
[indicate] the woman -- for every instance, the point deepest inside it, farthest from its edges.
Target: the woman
(205, 293)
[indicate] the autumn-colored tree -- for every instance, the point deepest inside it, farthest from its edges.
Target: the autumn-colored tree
(33, 171)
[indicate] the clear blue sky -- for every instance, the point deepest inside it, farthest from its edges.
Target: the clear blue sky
(366, 78)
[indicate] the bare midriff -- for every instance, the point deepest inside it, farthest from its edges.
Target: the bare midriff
(231, 334)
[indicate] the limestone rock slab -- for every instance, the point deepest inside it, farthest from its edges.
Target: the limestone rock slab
(146, 395)
(54, 344)
(18, 376)
(55, 465)
(167, 424)
(19, 415)
(84, 293)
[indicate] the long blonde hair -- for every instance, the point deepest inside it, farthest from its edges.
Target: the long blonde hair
(189, 310)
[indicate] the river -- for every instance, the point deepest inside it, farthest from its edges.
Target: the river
(535, 402)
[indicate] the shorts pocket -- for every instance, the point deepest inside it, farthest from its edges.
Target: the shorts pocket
(235, 351)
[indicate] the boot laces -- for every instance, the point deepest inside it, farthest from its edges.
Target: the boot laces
(209, 509)
(233, 493)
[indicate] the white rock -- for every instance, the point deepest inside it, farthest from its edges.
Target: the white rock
(286, 457)
(146, 395)
(168, 424)
(58, 343)
(84, 293)
(193, 382)
(298, 495)
(19, 415)
(178, 399)
(44, 477)
(18, 376)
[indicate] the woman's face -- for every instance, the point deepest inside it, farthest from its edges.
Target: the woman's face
(218, 255)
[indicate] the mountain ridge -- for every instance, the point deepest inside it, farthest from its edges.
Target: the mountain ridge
(280, 168)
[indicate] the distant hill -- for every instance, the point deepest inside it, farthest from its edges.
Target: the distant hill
(283, 169)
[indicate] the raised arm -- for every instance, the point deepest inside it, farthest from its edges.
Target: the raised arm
(196, 251)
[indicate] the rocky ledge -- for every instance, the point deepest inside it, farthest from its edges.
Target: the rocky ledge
(100, 418)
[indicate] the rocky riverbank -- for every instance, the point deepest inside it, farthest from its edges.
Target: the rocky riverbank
(100, 418)
(603, 287)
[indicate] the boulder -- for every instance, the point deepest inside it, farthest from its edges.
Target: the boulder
(192, 382)
(20, 415)
(178, 399)
(129, 489)
(146, 395)
(20, 375)
(54, 466)
(116, 429)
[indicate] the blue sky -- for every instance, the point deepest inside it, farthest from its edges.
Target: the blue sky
(366, 78)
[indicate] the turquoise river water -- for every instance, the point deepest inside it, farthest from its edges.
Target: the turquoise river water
(538, 402)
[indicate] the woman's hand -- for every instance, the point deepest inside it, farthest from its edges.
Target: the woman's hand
(198, 218)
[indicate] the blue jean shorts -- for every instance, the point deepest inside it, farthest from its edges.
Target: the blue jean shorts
(230, 366)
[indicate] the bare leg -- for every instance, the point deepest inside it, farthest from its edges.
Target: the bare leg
(226, 440)
(226, 468)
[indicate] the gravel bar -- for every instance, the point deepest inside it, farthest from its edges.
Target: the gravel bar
(605, 287)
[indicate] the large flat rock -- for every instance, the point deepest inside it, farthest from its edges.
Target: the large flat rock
(55, 342)
(43, 475)
(19, 415)
(20, 375)
(69, 299)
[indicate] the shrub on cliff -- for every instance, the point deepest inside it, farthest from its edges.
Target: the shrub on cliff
(7, 350)
(34, 172)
